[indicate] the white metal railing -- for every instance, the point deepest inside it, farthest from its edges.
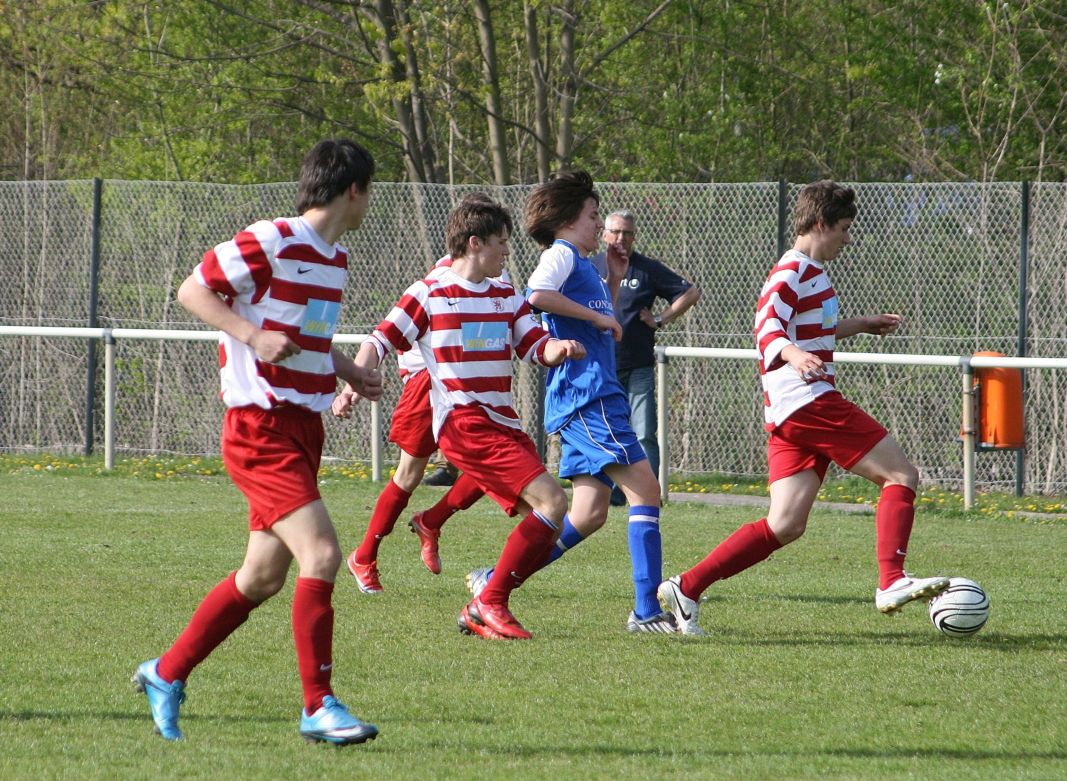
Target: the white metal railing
(111, 335)
(966, 363)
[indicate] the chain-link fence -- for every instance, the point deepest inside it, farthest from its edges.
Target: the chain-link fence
(971, 267)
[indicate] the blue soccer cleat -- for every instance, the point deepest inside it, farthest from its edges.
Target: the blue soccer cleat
(164, 699)
(332, 723)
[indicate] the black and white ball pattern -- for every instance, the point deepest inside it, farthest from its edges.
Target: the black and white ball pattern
(961, 609)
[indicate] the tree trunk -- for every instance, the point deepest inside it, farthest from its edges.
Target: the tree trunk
(568, 88)
(540, 89)
(418, 104)
(491, 79)
(413, 161)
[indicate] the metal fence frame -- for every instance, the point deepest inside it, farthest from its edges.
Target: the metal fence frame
(966, 365)
(973, 267)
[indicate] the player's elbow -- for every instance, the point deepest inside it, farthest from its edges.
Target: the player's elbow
(187, 291)
(537, 299)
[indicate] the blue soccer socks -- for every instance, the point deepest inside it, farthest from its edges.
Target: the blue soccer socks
(646, 556)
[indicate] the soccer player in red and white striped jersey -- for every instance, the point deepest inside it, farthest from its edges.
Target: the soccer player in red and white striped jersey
(810, 422)
(412, 431)
(468, 326)
(274, 291)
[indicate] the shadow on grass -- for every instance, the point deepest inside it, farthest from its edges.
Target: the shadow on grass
(614, 750)
(821, 599)
(991, 641)
(65, 716)
(944, 753)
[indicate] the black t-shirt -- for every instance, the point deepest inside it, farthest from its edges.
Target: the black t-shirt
(645, 281)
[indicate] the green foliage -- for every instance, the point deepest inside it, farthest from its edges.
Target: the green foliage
(800, 677)
(856, 89)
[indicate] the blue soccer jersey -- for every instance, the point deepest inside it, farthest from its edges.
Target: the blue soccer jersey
(574, 384)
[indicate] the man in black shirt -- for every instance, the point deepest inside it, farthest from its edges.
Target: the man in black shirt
(646, 280)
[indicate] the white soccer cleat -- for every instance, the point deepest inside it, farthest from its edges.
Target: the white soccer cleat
(661, 624)
(907, 589)
(478, 579)
(685, 610)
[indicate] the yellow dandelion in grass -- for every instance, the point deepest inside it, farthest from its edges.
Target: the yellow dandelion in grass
(37, 467)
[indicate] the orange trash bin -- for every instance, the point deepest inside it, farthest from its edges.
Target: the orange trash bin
(1000, 406)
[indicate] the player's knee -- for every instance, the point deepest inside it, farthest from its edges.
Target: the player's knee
(906, 475)
(911, 477)
(786, 529)
(594, 522)
(323, 561)
(408, 476)
(261, 586)
(554, 506)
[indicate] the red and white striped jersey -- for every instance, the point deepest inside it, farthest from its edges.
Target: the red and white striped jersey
(467, 333)
(410, 361)
(798, 306)
(280, 276)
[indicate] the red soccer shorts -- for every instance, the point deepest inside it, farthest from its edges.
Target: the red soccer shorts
(830, 428)
(500, 459)
(273, 458)
(412, 426)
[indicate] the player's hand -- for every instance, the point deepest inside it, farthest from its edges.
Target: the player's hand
(368, 383)
(883, 324)
(647, 317)
(559, 350)
(344, 401)
(609, 323)
(617, 259)
(810, 367)
(273, 346)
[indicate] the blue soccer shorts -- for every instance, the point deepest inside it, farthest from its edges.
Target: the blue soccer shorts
(596, 436)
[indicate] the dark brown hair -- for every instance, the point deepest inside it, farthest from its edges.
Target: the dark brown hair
(476, 215)
(557, 203)
(329, 169)
(825, 202)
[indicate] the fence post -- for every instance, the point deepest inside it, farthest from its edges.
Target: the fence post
(94, 269)
(783, 193)
(968, 433)
(109, 400)
(661, 424)
(539, 437)
(376, 441)
(1024, 262)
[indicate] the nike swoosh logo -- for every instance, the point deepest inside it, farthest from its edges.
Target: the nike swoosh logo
(325, 667)
(302, 270)
(681, 609)
(901, 552)
(453, 303)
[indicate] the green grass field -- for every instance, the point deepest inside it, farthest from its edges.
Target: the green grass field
(800, 677)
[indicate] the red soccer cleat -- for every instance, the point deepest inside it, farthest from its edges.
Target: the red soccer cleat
(470, 627)
(428, 539)
(498, 618)
(366, 575)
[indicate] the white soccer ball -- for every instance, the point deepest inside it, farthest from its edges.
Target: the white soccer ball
(961, 609)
